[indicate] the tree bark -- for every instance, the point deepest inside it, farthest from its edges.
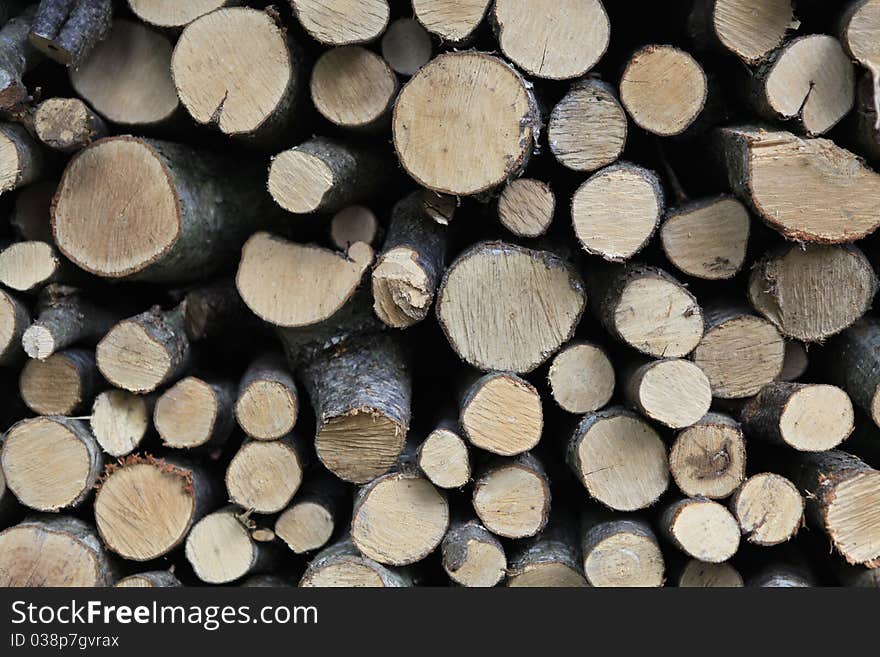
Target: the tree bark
(17, 57)
(14, 315)
(64, 318)
(472, 556)
(342, 565)
(23, 160)
(67, 30)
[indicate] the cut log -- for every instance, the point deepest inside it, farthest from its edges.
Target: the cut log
(354, 88)
(50, 463)
(406, 46)
(127, 78)
(177, 213)
(146, 351)
(235, 70)
(707, 238)
(769, 509)
(14, 319)
(551, 559)
(64, 318)
(355, 223)
(647, 309)
(616, 211)
(750, 29)
(344, 22)
(120, 421)
(195, 412)
(708, 459)
(171, 496)
(619, 459)
(808, 417)
(149, 580)
(28, 266)
(68, 30)
(486, 102)
(315, 515)
(709, 575)
(341, 565)
(512, 496)
(264, 476)
(63, 384)
(804, 188)
(796, 361)
(553, 39)
(171, 14)
(843, 500)
(30, 215)
(588, 127)
(852, 361)
(809, 81)
(860, 32)
(361, 398)
(526, 207)
(663, 89)
(324, 175)
(494, 282)
(701, 528)
(268, 405)
(502, 414)
(444, 458)
(739, 353)
(472, 556)
(21, 157)
(57, 551)
(67, 124)
(17, 57)
(454, 21)
(671, 391)
(408, 269)
(814, 292)
(581, 377)
(399, 518)
(782, 576)
(620, 553)
(220, 549)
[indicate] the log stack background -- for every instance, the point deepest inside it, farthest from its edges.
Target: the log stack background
(370, 293)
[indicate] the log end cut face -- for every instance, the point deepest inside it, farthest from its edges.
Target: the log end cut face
(360, 445)
(769, 508)
(443, 457)
(9, 325)
(131, 359)
(34, 555)
(503, 415)
(481, 565)
(116, 210)
(549, 574)
(305, 526)
(581, 378)
(172, 13)
(52, 386)
(752, 28)
(352, 87)
(399, 520)
(473, 135)
(266, 409)
(507, 308)
(264, 476)
(401, 288)
(709, 459)
(816, 418)
(10, 164)
(808, 189)
(512, 501)
(289, 284)
(127, 77)
(625, 559)
(186, 413)
(621, 461)
(674, 392)
(119, 421)
(143, 510)
(862, 34)
(554, 39)
(342, 22)
(709, 575)
(232, 69)
(705, 530)
(25, 265)
(219, 548)
(47, 465)
(452, 20)
(853, 518)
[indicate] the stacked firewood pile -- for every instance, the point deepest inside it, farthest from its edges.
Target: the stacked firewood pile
(370, 293)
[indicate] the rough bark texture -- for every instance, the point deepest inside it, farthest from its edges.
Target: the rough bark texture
(550, 559)
(19, 319)
(67, 30)
(368, 377)
(626, 551)
(457, 551)
(214, 309)
(65, 317)
(17, 57)
(408, 270)
(851, 360)
(150, 579)
(866, 117)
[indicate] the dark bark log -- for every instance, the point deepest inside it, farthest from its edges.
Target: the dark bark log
(472, 556)
(67, 30)
(341, 565)
(64, 318)
(17, 57)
